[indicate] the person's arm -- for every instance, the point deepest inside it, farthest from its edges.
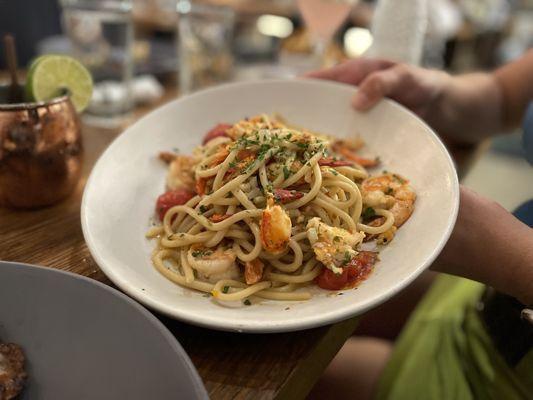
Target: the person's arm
(465, 108)
(491, 246)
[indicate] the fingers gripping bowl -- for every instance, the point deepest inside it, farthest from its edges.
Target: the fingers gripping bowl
(123, 188)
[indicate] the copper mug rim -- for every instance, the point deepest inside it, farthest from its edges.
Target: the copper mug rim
(29, 105)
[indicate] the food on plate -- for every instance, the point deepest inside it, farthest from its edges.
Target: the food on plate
(266, 209)
(12, 373)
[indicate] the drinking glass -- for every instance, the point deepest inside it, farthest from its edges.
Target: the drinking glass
(204, 45)
(324, 18)
(101, 35)
(40, 151)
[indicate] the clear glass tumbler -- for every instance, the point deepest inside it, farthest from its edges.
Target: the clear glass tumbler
(101, 35)
(204, 45)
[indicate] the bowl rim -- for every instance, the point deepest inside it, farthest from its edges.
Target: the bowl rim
(295, 325)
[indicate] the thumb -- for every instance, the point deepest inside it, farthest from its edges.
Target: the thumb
(379, 84)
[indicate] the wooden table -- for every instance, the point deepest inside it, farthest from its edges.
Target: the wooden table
(232, 366)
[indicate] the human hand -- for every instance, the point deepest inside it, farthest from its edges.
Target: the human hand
(416, 88)
(464, 108)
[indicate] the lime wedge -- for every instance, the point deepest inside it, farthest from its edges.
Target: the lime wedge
(49, 75)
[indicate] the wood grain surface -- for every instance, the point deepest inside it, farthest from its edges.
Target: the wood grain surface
(232, 366)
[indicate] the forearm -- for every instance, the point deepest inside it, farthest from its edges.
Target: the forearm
(469, 108)
(475, 106)
(489, 245)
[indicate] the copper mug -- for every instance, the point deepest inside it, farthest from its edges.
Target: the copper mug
(40, 151)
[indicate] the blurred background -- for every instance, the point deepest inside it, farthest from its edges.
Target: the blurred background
(144, 52)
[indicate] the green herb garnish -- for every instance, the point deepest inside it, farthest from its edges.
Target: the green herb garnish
(286, 172)
(347, 258)
(368, 212)
(247, 302)
(399, 178)
(201, 253)
(225, 289)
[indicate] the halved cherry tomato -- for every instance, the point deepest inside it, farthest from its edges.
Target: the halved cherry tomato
(217, 131)
(354, 272)
(284, 196)
(328, 162)
(170, 199)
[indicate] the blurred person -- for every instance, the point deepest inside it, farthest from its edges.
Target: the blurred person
(464, 340)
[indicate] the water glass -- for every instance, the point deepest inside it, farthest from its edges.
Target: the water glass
(204, 45)
(101, 35)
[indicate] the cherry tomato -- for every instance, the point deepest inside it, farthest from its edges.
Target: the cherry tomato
(285, 196)
(355, 271)
(217, 131)
(329, 280)
(170, 199)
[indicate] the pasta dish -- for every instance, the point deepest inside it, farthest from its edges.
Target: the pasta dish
(266, 209)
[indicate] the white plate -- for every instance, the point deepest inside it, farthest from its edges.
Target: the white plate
(85, 340)
(121, 192)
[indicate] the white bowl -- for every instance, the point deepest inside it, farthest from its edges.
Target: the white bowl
(121, 192)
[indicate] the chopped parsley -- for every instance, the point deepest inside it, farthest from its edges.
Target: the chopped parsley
(268, 189)
(389, 191)
(399, 178)
(247, 302)
(368, 212)
(333, 171)
(232, 164)
(203, 209)
(263, 150)
(286, 172)
(337, 239)
(201, 253)
(347, 258)
(225, 289)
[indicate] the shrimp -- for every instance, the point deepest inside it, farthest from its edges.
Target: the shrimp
(214, 265)
(332, 246)
(392, 192)
(180, 172)
(275, 228)
(253, 271)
